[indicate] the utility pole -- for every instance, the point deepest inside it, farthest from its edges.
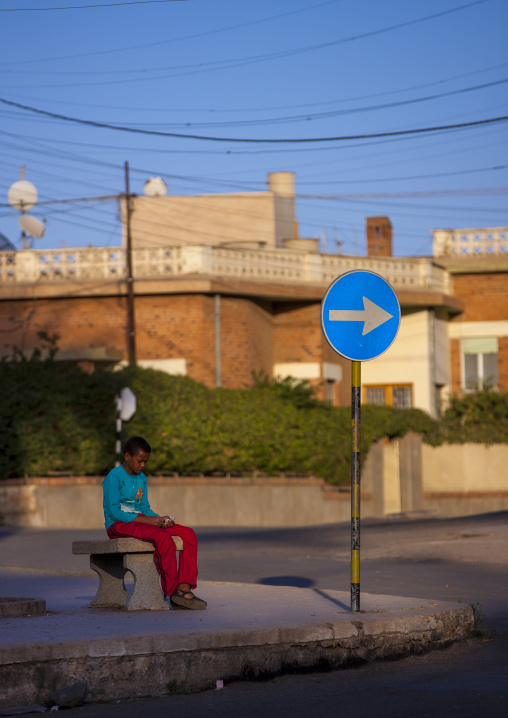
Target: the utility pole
(131, 326)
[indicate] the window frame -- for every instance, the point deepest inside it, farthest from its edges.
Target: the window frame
(388, 392)
(480, 363)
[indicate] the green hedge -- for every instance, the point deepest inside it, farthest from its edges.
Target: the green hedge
(56, 418)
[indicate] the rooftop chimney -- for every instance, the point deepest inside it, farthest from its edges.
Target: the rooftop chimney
(282, 183)
(379, 237)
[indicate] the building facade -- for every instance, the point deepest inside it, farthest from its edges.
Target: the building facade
(218, 313)
(477, 262)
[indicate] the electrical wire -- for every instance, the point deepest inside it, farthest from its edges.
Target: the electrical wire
(272, 150)
(324, 115)
(407, 177)
(87, 7)
(383, 195)
(446, 208)
(238, 62)
(184, 38)
(160, 133)
(251, 110)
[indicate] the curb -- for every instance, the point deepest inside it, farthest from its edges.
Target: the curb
(164, 663)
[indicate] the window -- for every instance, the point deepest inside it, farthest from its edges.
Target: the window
(398, 395)
(479, 363)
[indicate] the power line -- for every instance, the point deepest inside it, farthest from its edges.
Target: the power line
(435, 208)
(407, 177)
(246, 186)
(258, 151)
(186, 37)
(299, 140)
(383, 195)
(97, 162)
(85, 7)
(75, 200)
(295, 51)
(250, 110)
(436, 193)
(333, 113)
(329, 113)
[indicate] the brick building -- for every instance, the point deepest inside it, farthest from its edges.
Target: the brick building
(218, 312)
(477, 262)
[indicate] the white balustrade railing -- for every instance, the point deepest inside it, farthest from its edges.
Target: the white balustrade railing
(457, 243)
(276, 266)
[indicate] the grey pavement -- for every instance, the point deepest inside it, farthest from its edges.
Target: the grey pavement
(231, 607)
(277, 578)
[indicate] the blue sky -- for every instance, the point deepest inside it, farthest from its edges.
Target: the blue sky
(290, 70)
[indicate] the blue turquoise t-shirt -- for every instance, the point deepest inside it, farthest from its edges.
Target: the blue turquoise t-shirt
(125, 496)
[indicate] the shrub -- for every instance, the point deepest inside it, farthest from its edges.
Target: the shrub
(54, 417)
(480, 417)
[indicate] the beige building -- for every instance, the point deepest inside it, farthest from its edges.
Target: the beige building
(240, 219)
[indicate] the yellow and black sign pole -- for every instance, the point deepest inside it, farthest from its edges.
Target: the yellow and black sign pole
(356, 400)
(358, 335)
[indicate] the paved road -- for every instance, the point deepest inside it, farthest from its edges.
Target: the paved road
(462, 559)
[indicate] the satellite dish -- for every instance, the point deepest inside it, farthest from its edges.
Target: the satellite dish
(32, 225)
(155, 187)
(22, 195)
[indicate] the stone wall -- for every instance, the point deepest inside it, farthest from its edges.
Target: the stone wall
(76, 502)
(402, 477)
(451, 480)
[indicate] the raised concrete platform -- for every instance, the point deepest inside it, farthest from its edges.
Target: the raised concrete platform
(248, 631)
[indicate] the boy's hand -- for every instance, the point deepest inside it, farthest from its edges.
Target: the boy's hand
(159, 521)
(163, 522)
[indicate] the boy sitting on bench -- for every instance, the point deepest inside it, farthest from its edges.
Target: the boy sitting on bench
(127, 512)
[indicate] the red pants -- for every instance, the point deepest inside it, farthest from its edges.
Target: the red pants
(165, 551)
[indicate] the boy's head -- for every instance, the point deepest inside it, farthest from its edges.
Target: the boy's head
(136, 454)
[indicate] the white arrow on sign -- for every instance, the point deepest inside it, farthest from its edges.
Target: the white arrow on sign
(372, 315)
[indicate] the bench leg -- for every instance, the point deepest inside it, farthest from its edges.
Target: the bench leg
(111, 572)
(147, 592)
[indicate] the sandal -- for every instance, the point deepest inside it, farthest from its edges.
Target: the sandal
(194, 603)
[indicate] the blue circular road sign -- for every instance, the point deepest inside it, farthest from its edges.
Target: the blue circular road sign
(360, 315)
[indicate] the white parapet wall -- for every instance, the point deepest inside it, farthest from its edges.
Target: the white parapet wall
(470, 242)
(55, 266)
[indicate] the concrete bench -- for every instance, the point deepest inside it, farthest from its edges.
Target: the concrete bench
(111, 559)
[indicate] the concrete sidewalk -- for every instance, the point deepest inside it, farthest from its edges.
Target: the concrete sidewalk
(247, 631)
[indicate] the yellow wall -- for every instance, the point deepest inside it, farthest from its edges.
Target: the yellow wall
(467, 467)
(407, 361)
